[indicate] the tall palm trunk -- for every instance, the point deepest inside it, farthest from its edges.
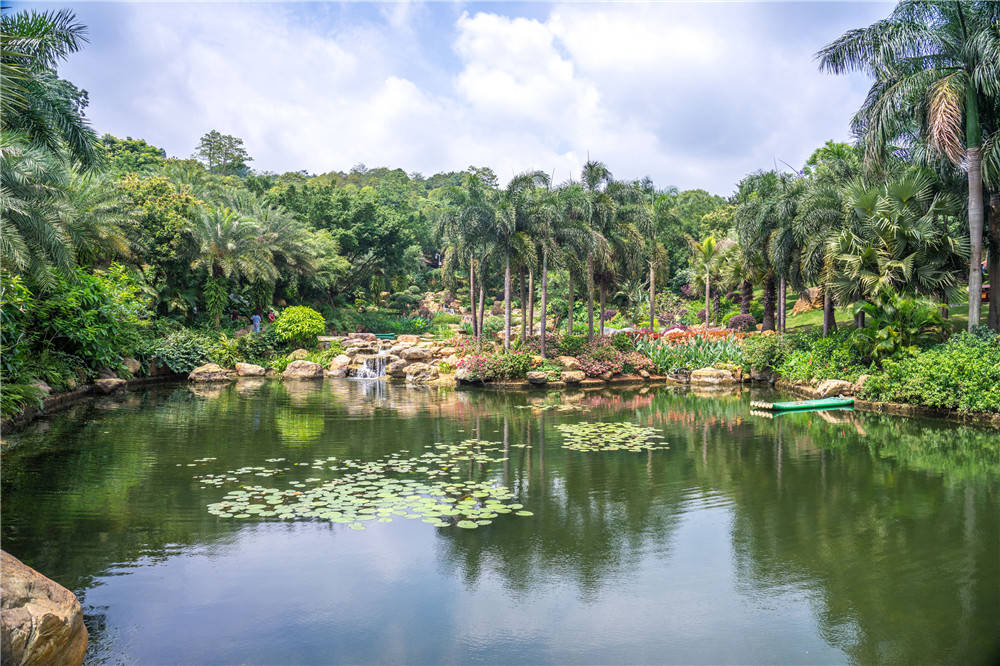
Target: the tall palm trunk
(482, 305)
(652, 297)
(975, 161)
(993, 262)
(524, 311)
(708, 289)
(590, 296)
(782, 287)
(829, 321)
(545, 298)
(569, 314)
(769, 298)
(472, 298)
(531, 301)
(603, 291)
(747, 297)
(506, 303)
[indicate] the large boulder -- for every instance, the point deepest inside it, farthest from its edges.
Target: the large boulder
(298, 355)
(446, 351)
(41, 622)
(712, 376)
(573, 376)
(110, 385)
(133, 365)
(249, 370)
(416, 354)
(340, 362)
(809, 299)
(210, 372)
(831, 387)
(412, 339)
(397, 368)
(860, 384)
(303, 370)
(420, 373)
(537, 377)
(568, 362)
(465, 376)
(44, 388)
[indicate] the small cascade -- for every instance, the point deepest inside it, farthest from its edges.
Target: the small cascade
(373, 367)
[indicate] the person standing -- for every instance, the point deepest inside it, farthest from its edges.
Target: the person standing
(255, 319)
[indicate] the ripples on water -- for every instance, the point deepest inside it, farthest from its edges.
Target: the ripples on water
(809, 538)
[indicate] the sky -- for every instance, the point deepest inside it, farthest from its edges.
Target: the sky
(694, 95)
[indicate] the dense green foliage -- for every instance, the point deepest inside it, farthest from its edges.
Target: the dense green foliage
(300, 326)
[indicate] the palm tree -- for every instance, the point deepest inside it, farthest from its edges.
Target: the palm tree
(229, 245)
(595, 178)
(704, 265)
(512, 227)
(936, 65)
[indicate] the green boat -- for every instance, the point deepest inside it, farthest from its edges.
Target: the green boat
(795, 405)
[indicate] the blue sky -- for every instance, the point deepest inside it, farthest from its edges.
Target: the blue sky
(691, 94)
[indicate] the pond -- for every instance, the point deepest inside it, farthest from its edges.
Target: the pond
(263, 522)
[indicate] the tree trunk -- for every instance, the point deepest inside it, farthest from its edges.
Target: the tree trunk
(829, 320)
(782, 287)
(974, 156)
(506, 303)
(472, 298)
(482, 305)
(590, 296)
(769, 298)
(569, 318)
(524, 311)
(747, 297)
(603, 291)
(531, 301)
(545, 296)
(859, 320)
(993, 262)
(652, 297)
(708, 290)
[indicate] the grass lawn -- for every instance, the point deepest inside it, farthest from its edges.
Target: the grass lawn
(958, 318)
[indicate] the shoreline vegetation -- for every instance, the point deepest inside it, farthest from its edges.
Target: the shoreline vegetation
(863, 266)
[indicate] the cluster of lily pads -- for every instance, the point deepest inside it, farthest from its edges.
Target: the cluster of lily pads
(609, 437)
(376, 490)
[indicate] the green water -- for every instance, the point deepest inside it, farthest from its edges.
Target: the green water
(835, 537)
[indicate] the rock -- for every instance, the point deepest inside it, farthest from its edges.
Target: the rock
(338, 372)
(452, 360)
(42, 386)
(831, 387)
(860, 384)
(809, 299)
(133, 366)
(713, 376)
(465, 376)
(210, 372)
(249, 370)
(339, 362)
(110, 385)
(446, 351)
(412, 339)
(397, 368)
(606, 376)
(416, 354)
(761, 375)
(420, 373)
(568, 362)
(42, 622)
(303, 370)
(644, 374)
(106, 373)
(298, 355)
(158, 368)
(536, 360)
(369, 337)
(573, 376)
(537, 377)
(626, 379)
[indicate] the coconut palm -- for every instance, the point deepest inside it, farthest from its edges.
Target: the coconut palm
(511, 231)
(936, 66)
(705, 263)
(595, 178)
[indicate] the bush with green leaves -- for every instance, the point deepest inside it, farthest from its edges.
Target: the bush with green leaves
(491, 326)
(623, 342)
(443, 318)
(572, 345)
(224, 351)
(383, 322)
(962, 373)
(898, 326)
(182, 350)
(259, 347)
(300, 326)
(698, 352)
(763, 353)
(813, 356)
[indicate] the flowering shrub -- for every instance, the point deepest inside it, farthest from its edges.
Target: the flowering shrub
(500, 365)
(571, 345)
(742, 322)
(467, 345)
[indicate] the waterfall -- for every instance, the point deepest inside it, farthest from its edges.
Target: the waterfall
(372, 368)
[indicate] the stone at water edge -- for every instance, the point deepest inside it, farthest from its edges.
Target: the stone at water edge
(860, 384)
(420, 373)
(298, 354)
(340, 362)
(568, 362)
(249, 370)
(41, 622)
(412, 339)
(303, 370)
(465, 376)
(831, 387)
(712, 376)
(537, 377)
(397, 368)
(338, 372)
(108, 386)
(42, 386)
(573, 376)
(133, 365)
(606, 376)
(416, 354)
(210, 372)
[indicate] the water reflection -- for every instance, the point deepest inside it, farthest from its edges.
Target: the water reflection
(828, 536)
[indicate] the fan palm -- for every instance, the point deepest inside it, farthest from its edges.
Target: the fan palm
(936, 66)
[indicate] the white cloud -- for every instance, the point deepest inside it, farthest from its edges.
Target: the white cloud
(693, 95)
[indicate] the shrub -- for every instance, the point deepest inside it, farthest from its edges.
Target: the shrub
(571, 345)
(623, 342)
(300, 325)
(763, 353)
(258, 347)
(445, 318)
(382, 322)
(181, 351)
(224, 351)
(898, 326)
(811, 356)
(491, 326)
(500, 365)
(690, 352)
(963, 374)
(741, 322)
